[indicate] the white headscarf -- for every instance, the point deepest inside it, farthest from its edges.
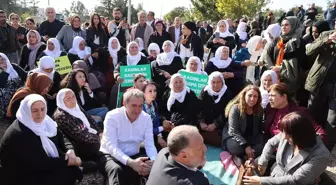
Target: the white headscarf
(140, 43)
(199, 66)
(114, 52)
(218, 62)
(56, 52)
(154, 46)
(166, 58)
(263, 91)
(46, 62)
(176, 96)
(77, 112)
(10, 70)
(252, 46)
(46, 129)
(226, 33)
(241, 30)
(133, 60)
(274, 30)
(80, 53)
(209, 89)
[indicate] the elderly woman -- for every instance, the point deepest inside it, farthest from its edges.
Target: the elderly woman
(267, 79)
(68, 32)
(142, 49)
(233, 72)
(241, 36)
(78, 126)
(194, 65)
(160, 35)
(221, 37)
(273, 31)
(300, 158)
(45, 160)
(189, 43)
(37, 83)
(133, 57)
(53, 49)
(287, 53)
(153, 51)
(179, 104)
(80, 52)
(47, 66)
(214, 98)
(243, 136)
(12, 77)
(165, 65)
(255, 47)
(31, 51)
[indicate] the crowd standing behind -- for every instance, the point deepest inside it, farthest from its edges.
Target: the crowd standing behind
(267, 83)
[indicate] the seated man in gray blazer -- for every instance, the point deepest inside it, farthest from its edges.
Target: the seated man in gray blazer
(179, 162)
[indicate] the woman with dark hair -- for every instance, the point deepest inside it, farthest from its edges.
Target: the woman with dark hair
(165, 65)
(280, 104)
(68, 32)
(36, 83)
(301, 155)
(242, 135)
(214, 98)
(189, 44)
(30, 24)
(77, 82)
(31, 51)
(160, 35)
(47, 159)
(96, 34)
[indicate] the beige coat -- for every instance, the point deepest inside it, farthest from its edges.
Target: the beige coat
(148, 32)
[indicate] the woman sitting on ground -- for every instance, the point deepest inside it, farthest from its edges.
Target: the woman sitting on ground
(53, 49)
(43, 160)
(267, 79)
(153, 52)
(194, 65)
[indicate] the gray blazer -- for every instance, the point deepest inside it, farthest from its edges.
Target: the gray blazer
(236, 126)
(66, 35)
(304, 168)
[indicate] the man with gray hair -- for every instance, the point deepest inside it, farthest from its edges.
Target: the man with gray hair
(180, 161)
(50, 27)
(142, 29)
(125, 129)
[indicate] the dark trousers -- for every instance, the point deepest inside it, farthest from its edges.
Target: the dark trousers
(213, 138)
(322, 107)
(118, 173)
(236, 149)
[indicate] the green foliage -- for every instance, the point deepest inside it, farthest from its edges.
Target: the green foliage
(77, 7)
(238, 8)
(206, 10)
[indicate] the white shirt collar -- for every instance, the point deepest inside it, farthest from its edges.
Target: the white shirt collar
(192, 169)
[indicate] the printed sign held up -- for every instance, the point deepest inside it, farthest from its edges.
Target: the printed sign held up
(195, 82)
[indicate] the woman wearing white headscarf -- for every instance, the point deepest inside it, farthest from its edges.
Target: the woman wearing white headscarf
(133, 57)
(31, 51)
(267, 79)
(232, 71)
(182, 105)
(273, 31)
(53, 49)
(12, 77)
(221, 37)
(241, 36)
(47, 66)
(80, 52)
(77, 125)
(165, 65)
(214, 98)
(43, 160)
(153, 51)
(194, 65)
(255, 47)
(140, 42)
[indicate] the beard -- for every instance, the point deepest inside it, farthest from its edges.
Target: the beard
(117, 18)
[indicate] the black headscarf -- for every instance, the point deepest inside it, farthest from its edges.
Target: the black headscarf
(322, 26)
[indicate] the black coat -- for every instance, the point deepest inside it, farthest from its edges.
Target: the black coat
(54, 90)
(196, 46)
(184, 113)
(159, 39)
(50, 29)
(91, 32)
(166, 171)
(214, 112)
(29, 164)
(90, 103)
(230, 42)
(123, 62)
(44, 54)
(4, 76)
(25, 56)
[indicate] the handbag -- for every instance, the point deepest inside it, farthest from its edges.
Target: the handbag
(248, 169)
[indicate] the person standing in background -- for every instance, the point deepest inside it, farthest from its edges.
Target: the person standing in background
(330, 15)
(50, 27)
(142, 29)
(151, 19)
(175, 30)
(9, 44)
(311, 13)
(301, 13)
(21, 31)
(119, 28)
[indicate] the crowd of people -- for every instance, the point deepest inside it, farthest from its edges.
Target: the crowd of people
(271, 95)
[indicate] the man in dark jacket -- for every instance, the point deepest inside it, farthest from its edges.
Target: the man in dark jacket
(9, 44)
(201, 31)
(301, 13)
(330, 16)
(50, 27)
(312, 12)
(179, 163)
(119, 28)
(208, 30)
(321, 82)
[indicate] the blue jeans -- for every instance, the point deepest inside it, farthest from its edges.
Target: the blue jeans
(100, 111)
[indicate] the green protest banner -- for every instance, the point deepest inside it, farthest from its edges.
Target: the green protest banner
(195, 82)
(127, 73)
(62, 65)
